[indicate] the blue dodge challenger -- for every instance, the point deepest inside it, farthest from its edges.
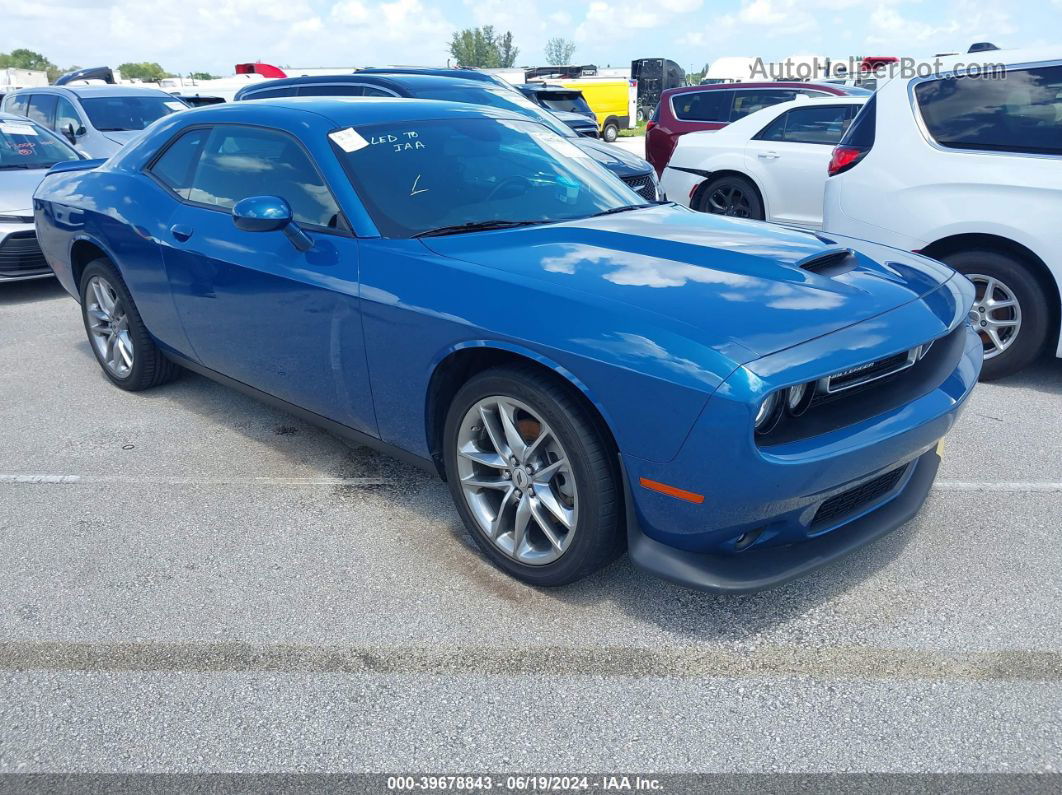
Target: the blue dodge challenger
(734, 403)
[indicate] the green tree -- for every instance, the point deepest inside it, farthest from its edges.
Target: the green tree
(25, 59)
(147, 71)
(483, 48)
(695, 78)
(203, 76)
(559, 52)
(507, 51)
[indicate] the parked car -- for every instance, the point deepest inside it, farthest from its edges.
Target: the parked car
(736, 402)
(567, 105)
(632, 169)
(97, 119)
(968, 170)
(458, 72)
(770, 165)
(27, 151)
(712, 107)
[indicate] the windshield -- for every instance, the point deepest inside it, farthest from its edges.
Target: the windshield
(573, 103)
(422, 175)
(498, 98)
(114, 114)
(24, 144)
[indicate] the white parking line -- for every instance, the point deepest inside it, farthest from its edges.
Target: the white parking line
(83, 480)
(1018, 486)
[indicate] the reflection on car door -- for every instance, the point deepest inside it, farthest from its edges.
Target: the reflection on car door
(253, 307)
(788, 159)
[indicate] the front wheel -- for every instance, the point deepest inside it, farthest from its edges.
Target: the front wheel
(119, 339)
(532, 477)
(732, 196)
(1010, 311)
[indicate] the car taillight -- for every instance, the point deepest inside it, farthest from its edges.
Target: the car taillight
(649, 125)
(844, 158)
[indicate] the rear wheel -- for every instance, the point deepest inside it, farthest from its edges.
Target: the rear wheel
(532, 477)
(732, 196)
(1010, 311)
(119, 340)
(610, 132)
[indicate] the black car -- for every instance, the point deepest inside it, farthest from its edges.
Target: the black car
(566, 104)
(633, 170)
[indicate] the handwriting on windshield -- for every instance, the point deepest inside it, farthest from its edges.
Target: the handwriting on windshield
(403, 142)
(414, 191)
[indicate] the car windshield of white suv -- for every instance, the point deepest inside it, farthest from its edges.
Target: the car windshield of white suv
(25, 145)
(458, 175)
(115, 114)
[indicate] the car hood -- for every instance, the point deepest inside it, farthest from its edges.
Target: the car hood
(733, 281)
(614, 158)
(16, 188)
(121, 137)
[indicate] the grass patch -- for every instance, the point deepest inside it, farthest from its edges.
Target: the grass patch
(633, 132)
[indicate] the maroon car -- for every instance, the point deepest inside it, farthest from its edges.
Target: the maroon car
(692, 108)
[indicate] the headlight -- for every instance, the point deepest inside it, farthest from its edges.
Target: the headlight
(799, 397)
(767, 413)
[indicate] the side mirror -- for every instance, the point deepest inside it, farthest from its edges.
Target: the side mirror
(72, 134)
(261, 214)
(269, 214)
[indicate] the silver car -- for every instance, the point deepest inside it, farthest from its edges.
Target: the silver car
(27, 151)
(97, 120)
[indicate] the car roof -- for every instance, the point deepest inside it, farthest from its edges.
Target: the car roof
(830, 88)
(351, 111)
(539, 88)
(107, 90)
(408, 82)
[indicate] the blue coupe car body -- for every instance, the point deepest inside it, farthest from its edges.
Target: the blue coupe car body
(673, 325)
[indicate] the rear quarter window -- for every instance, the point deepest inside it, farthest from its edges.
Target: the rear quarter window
(702, 105)
(1020, 112)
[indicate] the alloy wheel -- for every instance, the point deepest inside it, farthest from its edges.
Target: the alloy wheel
(516, 479)
(108, 324)
(729, 199)
(995, 315)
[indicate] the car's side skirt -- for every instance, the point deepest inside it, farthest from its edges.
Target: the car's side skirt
(333, 427)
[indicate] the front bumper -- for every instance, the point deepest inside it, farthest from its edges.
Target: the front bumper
(770, 566)
(20, 254)
(774, 513)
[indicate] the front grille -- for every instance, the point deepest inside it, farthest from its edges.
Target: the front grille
(643, 186)
(849, 502)
(20, 255)
(848, 379)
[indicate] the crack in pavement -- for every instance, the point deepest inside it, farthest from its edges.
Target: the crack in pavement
(686, 662)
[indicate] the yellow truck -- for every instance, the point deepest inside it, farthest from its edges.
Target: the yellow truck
(614, 101)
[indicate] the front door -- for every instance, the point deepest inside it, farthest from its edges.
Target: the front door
(253, 306)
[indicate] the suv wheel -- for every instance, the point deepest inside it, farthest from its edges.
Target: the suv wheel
(532, 477)
(1010, 312)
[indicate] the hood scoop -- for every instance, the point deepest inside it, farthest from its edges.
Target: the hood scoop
(834, 262)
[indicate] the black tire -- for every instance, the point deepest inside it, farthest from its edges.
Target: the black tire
(598, 533)
(150, 367)
(733, 196)
(610, 132)
(1019, 279)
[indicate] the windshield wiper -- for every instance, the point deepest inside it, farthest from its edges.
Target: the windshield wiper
(475, 226)
(626, 207)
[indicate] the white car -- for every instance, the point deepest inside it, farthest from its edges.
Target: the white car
(967, 168)
(27, 151)
(770, 165)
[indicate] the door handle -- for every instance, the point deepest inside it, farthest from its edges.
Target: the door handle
(768, 155)
(181, 232)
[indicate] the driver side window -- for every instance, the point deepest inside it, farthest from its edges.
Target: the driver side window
(66, 116)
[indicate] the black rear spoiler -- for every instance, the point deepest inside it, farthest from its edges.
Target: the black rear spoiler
(76, 165)
(103, 73)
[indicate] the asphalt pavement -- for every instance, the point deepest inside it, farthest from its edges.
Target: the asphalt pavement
(191, 581)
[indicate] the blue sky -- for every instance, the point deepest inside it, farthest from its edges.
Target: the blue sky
(215, 34)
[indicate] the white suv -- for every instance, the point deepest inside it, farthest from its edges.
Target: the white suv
(967, 169)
